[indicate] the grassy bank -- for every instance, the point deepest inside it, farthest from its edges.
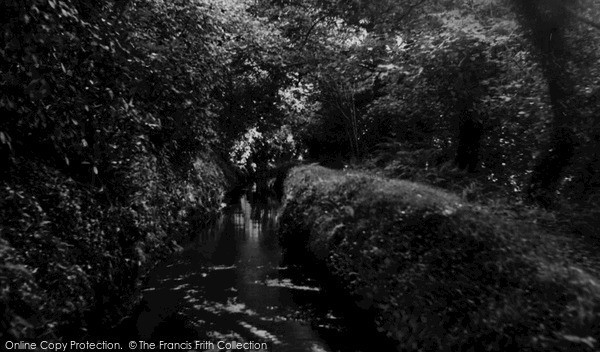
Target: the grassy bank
(73, 255)
(435, 272)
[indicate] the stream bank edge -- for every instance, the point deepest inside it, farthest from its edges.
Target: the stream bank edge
(437, 273)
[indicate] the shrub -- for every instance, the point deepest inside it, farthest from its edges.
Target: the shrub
(71, 258)
(435, 272)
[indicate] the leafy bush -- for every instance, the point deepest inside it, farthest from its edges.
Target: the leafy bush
(105, 150)
(71, 263)
(259, 152)
(438, 273)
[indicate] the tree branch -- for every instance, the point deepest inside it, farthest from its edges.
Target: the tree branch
(305, 40)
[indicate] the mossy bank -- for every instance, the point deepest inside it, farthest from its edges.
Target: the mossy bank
(435, 272)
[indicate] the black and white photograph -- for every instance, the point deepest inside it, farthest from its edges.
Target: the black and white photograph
(300, 175)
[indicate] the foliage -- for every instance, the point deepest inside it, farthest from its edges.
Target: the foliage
(109, 116)
(438, 273)
(117, 116)
(258, 152)
(70, 263)
(466, 79)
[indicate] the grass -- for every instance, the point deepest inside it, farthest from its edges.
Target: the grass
(436, 272)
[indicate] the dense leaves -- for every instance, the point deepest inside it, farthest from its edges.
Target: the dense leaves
(435, 272)
(109, 116)
(120, 116)
(485, 86)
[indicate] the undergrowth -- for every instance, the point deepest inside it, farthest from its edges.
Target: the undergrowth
(72, 256)
(437, 272)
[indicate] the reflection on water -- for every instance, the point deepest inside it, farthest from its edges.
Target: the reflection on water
(229, 285)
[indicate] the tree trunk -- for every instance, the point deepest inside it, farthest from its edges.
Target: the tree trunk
(546, 20)
(557, 156)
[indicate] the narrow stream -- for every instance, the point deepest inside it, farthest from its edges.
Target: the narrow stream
(228, 285)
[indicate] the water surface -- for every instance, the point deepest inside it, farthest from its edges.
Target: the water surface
(229, 285)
